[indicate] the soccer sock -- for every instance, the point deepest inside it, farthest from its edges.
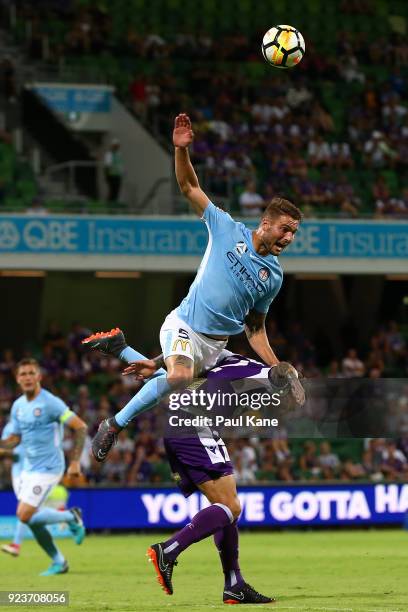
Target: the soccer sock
(204, 523)
(18, 533)
(48, 516)
(44, 539)
(226, 541)
(130, 354)
(148, 396)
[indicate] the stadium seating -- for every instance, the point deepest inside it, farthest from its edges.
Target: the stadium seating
(115, 60)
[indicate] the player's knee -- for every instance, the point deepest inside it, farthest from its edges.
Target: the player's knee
(24, 515)
(180, 377)
(233, 506)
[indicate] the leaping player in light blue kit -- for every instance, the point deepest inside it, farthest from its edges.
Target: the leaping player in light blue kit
(237, 280)
(17, 457)
(37, 419)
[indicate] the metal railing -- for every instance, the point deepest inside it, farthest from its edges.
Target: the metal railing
(65, 172)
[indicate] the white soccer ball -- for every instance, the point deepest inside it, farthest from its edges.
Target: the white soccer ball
(283, 46)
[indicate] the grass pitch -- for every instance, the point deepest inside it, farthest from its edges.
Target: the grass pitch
(334, 571)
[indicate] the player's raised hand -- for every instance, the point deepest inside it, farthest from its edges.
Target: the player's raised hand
(183, 132)
(141, 369)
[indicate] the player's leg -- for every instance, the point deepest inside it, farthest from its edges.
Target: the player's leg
(180, 371)
(34, 490)
(114, 343)
(14, 547)
(26, 512)
(204, 524)
(178, 352)
(236, 590)
(224, 510)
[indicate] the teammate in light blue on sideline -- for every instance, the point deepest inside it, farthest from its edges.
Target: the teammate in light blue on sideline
(237, 280)
(17, 456)
(37, 419)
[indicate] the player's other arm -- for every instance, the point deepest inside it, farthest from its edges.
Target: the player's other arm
(145, 367)
(80, 430)
(186, 177)
(257, 338)
(8, 444)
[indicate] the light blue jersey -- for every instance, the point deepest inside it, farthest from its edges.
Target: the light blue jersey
(18, 453)
(232, 278)
(39, 422)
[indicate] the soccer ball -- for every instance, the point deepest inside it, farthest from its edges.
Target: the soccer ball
(283, 46)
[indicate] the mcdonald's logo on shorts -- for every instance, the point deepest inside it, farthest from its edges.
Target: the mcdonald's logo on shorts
(183, 345)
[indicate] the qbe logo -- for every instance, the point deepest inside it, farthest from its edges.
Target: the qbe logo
(9, 235)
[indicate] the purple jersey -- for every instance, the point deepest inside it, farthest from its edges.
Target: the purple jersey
(198, 454)
(235, 367)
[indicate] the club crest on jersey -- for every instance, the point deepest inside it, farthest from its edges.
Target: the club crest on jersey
(241, 248)
(263, 274)
(37, 490)
(37, 412)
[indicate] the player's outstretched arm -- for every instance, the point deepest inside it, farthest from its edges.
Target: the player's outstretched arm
(257, 338)
(145, 367)
(80, 429)
(186, 177)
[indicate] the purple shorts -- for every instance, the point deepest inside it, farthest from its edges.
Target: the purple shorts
(196, 460)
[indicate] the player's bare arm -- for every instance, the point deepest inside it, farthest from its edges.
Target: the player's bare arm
(145, 367)
(257, 338)
(10, 442)
(186, 177)
(6, 454)
(80, 429)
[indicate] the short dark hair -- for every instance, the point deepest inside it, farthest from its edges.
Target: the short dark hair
(27, 361)
(280, 206)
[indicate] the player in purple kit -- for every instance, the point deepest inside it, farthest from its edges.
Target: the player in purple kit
(200, 462)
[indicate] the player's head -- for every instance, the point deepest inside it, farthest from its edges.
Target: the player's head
(279, 225)
(28, 375)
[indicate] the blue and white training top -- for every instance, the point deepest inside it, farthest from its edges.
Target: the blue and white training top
(232, 278)
(18, 453)
(39, 422)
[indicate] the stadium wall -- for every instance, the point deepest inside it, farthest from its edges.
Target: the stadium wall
(148, 167)
(274, 506)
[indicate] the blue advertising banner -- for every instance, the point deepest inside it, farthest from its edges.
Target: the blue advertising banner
(76, 98)
(272, 506)
(107, 236)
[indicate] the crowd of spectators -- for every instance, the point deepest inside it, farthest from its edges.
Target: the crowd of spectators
(92, 385)
(325, 133)
(315, 460)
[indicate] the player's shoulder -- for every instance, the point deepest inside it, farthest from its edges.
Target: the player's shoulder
(21, 399)
(214, 213)
(50, 398)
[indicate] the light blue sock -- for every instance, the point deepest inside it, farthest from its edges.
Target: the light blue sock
(18, 532)
(130, 354)
(148, 396)
(44, 539)
(48, 516)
